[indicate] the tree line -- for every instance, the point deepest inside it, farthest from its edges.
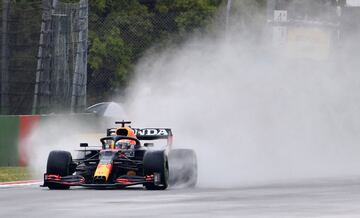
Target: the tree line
(120, 32)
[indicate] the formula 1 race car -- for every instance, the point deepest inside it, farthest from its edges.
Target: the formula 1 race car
(123, 160)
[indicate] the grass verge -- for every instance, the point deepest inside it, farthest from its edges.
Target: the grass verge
(8, 174)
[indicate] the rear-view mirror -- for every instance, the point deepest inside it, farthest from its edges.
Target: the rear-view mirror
(149, 144)
(83, 145)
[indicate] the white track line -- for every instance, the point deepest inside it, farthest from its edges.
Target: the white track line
(19, 183)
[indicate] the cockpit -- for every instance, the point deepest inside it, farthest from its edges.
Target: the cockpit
(122, 144)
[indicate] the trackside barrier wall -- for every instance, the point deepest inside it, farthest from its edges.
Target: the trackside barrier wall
(15, 129)
(9, 138)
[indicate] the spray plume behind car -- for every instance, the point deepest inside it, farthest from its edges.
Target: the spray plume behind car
(254, 114)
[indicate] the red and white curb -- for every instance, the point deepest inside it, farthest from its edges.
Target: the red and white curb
(19, 183)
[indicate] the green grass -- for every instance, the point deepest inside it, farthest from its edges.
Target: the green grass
(8, 174)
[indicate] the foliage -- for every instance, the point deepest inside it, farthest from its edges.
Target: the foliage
(117, 34)
(190, 14)
(120, 32)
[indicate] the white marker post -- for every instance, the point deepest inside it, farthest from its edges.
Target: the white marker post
(279, 30)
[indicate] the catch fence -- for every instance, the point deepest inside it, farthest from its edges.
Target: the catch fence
(43, 56)
(61, 57)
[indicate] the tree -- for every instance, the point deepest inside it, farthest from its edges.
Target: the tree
(120, 32)
(190, 15)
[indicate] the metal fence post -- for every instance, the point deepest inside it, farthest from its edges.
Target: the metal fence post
(79, 78)
(42, 54)
(228, 12)
(39, 60)
(4, 58)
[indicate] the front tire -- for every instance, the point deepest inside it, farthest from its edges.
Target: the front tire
(156, 162)
(59, 163)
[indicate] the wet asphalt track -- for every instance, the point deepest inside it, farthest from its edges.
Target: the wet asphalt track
(332, 198)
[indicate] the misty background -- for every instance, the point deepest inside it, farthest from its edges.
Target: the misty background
(253, 113)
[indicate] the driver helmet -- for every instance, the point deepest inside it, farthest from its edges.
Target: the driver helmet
(126, 131)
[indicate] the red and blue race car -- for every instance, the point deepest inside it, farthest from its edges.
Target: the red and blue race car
(127, 156)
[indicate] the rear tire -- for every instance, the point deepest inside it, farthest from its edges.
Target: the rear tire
(156, 162)
(59, 164)
(183, 168)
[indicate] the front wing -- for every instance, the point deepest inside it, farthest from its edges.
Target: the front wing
(120, 182)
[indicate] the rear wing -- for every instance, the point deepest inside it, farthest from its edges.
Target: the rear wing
(147, 133)
(153, 133)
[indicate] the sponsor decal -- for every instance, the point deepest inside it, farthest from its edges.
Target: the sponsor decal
(151, 132)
